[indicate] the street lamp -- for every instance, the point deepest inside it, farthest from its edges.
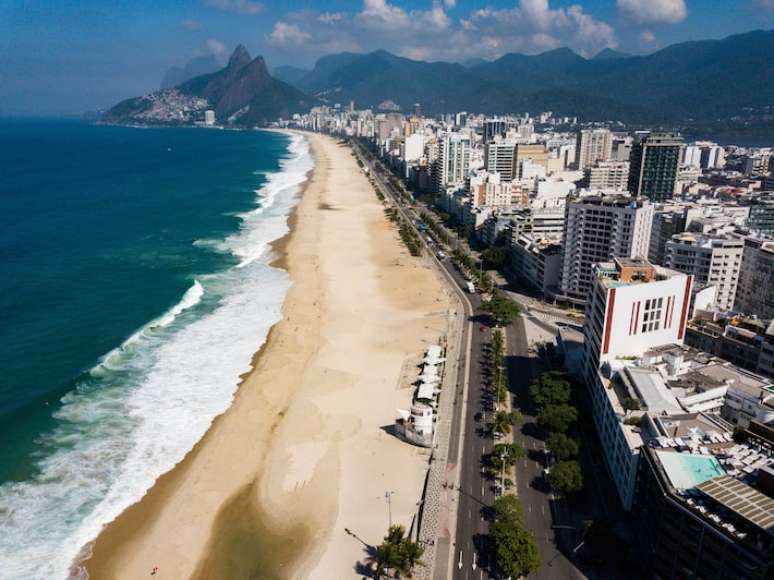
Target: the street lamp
(388, 499)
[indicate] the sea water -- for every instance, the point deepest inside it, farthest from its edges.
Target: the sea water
(135, 287)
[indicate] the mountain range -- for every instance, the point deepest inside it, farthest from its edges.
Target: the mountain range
(691, 81)
(728, 82)
(241, 93)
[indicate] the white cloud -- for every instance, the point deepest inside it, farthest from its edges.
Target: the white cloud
(248, 7)
(190, 24)
(285, 34)
(450, 3)
(768, 4)
(653, 11)
(530, 26)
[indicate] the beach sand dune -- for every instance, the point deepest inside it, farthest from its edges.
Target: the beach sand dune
(304, 453)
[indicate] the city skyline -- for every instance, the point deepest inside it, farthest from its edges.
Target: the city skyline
(59, 59)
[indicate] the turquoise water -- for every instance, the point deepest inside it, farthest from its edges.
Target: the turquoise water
(134, 288)
(686, 471)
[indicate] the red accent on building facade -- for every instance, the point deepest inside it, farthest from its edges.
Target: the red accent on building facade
(608, 321)
(684, 313)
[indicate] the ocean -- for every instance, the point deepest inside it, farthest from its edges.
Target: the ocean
(135, 287)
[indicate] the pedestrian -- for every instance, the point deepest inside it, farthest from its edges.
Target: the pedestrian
(155, 569)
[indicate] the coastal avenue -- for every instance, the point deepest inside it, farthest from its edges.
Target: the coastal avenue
(469, 443)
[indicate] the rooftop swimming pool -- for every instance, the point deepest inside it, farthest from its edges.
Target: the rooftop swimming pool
(686, 470)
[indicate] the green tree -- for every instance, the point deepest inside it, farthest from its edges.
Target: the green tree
(396, 552)
(557, 418)
(566, 477)
(503, 422)
(507, 508)
(550, 388)
(501, 309)
(562, 446)
(515, 549)
(494, 258)
(508, 452)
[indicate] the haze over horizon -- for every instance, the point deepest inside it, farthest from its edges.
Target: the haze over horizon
(67, 57)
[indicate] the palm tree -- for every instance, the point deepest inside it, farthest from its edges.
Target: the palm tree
(385, 556)
(502, 423)
(411, 553)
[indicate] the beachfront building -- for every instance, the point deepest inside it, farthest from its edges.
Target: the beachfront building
(633, 307)
(638, 370)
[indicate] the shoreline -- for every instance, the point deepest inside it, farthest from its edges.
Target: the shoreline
(295, 455)
(131, 521)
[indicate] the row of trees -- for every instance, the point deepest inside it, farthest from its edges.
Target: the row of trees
(407, 234)
(433, 226)
(551, 393)
(397, 554)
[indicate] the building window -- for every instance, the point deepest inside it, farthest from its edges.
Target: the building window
(651, 320)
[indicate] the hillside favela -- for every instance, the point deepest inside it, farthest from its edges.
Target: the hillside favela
(432, 289)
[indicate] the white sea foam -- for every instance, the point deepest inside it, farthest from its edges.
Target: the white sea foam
(149, 401)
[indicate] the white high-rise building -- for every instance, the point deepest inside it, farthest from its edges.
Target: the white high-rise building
(712, 260)
(412, 148)
(499, 158)
(634, 308)
(599, 228)
(209, 117)
(593, 145)
(453, 162)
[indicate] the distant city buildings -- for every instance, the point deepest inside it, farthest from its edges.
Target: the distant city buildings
(606, 175)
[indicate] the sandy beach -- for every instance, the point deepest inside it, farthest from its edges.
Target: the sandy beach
(302, 455)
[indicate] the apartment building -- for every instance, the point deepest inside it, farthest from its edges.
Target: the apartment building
(633, 307)
(499, 157)
(452, 164)
(598, 229)
(711, 260)
(592, 146)
(755, 292)
(606, 175)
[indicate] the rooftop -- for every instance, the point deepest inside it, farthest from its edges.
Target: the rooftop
(628, 271)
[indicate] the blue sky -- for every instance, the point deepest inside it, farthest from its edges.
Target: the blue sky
(64, 56)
